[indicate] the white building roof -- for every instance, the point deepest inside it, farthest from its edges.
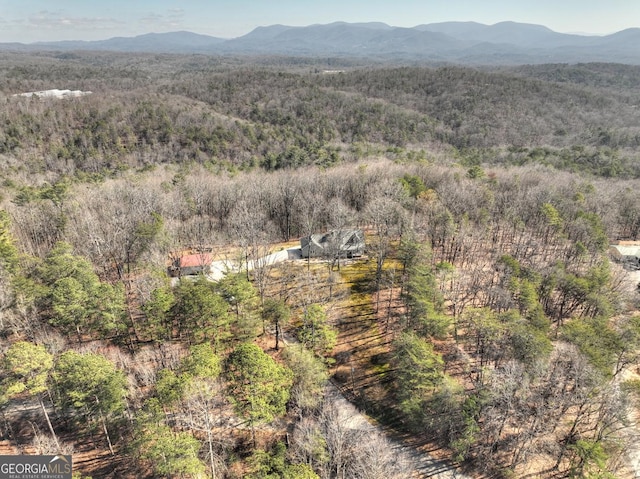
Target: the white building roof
(55, 93)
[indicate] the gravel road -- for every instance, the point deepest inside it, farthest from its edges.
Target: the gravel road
(421, 464)
(220, 268)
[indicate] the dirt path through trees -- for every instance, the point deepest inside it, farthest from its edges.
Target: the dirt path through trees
(420, 463)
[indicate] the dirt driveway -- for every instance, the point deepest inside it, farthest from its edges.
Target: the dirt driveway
(420, 463)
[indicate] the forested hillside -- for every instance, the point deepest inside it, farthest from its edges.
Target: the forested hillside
(485, 323)
(166, 109)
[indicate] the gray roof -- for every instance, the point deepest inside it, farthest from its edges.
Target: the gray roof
(346, 241)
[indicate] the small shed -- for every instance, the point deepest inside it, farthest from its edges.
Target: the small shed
(627, 253)
(199, 263)
(334, 244)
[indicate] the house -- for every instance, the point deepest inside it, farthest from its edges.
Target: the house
(191, 264)
(627, 253)
(334, 244)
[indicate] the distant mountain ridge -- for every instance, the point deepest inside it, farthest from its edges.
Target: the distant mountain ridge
(456, 42)
(173, 42)
(519, 34)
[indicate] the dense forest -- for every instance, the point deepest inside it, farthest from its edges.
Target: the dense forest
(486, 322)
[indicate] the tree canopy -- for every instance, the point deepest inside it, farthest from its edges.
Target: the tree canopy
(259, 387)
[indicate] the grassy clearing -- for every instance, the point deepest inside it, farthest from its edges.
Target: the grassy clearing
(363, 349)
(362, 355)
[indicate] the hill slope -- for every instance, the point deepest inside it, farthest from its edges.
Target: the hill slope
(458, 42)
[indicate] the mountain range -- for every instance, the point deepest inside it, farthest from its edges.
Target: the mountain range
(455, 42)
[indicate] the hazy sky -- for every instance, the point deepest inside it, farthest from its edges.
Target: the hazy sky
(44, 20)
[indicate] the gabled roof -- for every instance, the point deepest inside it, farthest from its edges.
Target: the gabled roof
(340, 238)
(191, 260)
(342, 242)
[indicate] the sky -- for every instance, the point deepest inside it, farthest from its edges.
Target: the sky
(28, 21)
